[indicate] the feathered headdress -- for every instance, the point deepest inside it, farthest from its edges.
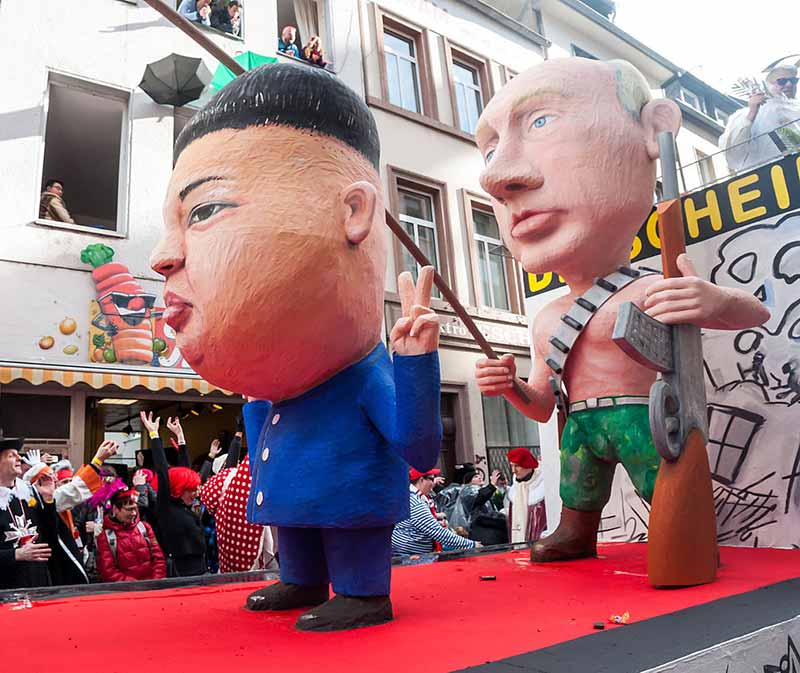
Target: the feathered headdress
(102, 496)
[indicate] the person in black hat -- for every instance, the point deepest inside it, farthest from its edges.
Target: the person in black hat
(25, 529)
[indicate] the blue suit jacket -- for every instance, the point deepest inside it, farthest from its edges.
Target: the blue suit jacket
(337, 456)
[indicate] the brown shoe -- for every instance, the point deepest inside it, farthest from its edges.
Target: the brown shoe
(285, 596)
(575, 537)
(347, 612)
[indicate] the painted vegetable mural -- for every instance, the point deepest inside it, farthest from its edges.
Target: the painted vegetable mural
(126, 326)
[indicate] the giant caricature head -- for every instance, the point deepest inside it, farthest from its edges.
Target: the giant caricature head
(274, 250)
(570, 148)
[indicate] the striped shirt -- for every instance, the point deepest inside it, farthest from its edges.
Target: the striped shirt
(416, 534)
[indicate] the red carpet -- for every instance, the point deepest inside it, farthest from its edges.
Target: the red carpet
(446, 618)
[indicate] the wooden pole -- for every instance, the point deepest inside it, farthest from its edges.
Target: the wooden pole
(197, 35)
(203, 40)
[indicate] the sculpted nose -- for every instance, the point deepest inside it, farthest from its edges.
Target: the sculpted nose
(168, 256)
(508, 174)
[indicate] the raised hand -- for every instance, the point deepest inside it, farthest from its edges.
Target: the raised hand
(174, 424)
(46, 487)
(106, 450)
(495, 477)
(417, 331)
(32, 457)
(148, 422)
(138, 478)
(47, 458)
(495, 377)
(214, 449)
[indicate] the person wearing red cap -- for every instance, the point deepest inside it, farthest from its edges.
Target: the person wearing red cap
(181, 530)
(527, 518)
(127, 548)
(419, 533)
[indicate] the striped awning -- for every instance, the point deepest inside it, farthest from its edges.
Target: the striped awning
(98, 379)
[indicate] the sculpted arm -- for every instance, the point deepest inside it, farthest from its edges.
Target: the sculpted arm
(495, 377)
(692, 300)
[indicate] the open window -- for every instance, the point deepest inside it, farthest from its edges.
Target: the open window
(225, 16)
(85, 156)
(304, 15)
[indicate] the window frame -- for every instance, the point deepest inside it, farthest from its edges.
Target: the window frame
(721, 116)
(400, 179)
(685, 94)
(705, 164)
(482, 67)
(95, 88)
(516, 295)
(419, 36)
(508, 74)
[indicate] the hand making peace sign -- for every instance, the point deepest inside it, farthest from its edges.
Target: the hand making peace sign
(417, 331)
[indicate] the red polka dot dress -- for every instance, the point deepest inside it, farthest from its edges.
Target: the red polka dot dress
(225, 496)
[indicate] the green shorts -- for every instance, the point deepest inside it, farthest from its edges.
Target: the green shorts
(593, 442)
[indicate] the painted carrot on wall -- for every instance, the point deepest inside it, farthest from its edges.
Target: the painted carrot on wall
(124, 307)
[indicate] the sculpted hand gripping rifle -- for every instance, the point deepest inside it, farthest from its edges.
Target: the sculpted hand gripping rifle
(682, 547)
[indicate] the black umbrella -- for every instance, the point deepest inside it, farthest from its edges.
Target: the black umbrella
(175, 80)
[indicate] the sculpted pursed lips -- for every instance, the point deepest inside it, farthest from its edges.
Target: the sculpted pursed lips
(178, 310)
(528, 219)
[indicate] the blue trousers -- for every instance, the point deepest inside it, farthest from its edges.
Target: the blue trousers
(356, 561)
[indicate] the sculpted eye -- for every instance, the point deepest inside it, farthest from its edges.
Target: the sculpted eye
(488, 156)
(541, 121)
(206, 210)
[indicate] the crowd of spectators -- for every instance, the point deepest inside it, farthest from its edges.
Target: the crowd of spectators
(60, 526)
(224, 15)
(311, 52)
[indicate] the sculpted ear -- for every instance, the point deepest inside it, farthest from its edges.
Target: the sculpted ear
(356, 209)
(657, 116)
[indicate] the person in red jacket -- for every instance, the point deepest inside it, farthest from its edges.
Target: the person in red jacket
(127, 548)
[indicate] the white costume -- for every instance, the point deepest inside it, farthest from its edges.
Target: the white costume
(526, 512)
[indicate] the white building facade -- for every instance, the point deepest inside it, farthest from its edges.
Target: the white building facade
(71, 109)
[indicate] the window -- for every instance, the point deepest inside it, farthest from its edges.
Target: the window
(416, 215)
(692, 100)
(721, 116)
(405, 78)
(218, 16)
(491, 254)
(86, 151)
(402, 72)
(469, 98)
(706, 167)
(420, 205)
(505, 429)
(508, 74)
(496, 278)
(305, 16)
(730, 433)
(470, 87)
(582, 53)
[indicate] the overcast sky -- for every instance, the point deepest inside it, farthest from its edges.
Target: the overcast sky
(717, 40)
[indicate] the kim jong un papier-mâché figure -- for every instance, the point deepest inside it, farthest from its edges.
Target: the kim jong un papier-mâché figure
(274, 253)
